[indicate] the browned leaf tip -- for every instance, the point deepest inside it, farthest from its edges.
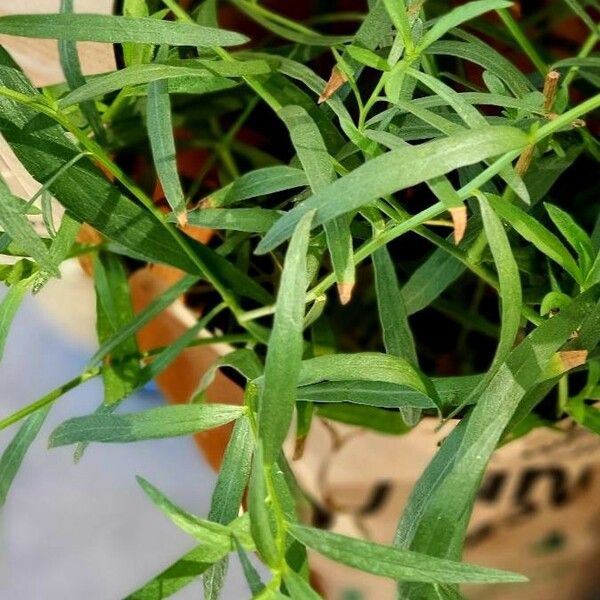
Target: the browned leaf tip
(459, 218)
(336, 81)
(573, 358)
(345, 292)
(182, 218)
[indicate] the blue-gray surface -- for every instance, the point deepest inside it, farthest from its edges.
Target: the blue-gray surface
(87, 531)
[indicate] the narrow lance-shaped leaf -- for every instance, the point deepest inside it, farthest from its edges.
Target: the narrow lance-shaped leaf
(252, 577)
(215, 537)
(509, 282)
(13, 455)
(130, 76)
(9, 305)
(452, 391)
(460, 15)
(145, 316)
(69, 60)
(484, 55)
(15, 223)
(251, 220)
(388, 561)
(298, 587)
(573, 233)
(260, 516)
(260, 182)
(227, 495)
(284, 354)
(318, 166)
(116, 30)
(175, 577)
(397, 336)
(166, 421)
(533, 231)
(394, 171)
(160, 132)
(366, 366)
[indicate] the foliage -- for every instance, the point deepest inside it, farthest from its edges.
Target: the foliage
(334, 148)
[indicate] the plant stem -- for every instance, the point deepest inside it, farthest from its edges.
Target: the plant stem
(523, 41)
(50, 397)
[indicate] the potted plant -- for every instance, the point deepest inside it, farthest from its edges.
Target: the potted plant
(357, 244)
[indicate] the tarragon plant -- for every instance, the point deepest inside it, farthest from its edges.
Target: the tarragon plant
(379, 181)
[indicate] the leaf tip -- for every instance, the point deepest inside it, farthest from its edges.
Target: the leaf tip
(459, 219)
(335, 82)
(571, 359)
(182, 218)
(345, 292)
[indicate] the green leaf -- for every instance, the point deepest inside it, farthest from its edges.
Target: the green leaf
(260, 516)
(285, 346)
(228, 494)
(397, 335)
(573, 233)
(15, 223)
(143, 317)
(166, 421)
(484, 55)
(9, 305)
(162, 143)
(388, 561)
(318, 166)
(136, 53)
(117, 29)
(69, 60)
(260, 182)
(251, 220)
(215, 538)
(181, 573)
(365, 366)
(457, 16)
(288, 31)
(399, 16)
(252, 577)
(114, 310)
(394, 171)
(101, 85)
(533, 231)
(430, 280)
(451, 391)
(13, 455)
(368, 58)
(509, 282)
(298, 587)
(243, 360)
(588, 417)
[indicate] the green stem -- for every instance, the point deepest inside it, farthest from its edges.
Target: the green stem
(523, 41)
(50, 397)
(566, 118)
